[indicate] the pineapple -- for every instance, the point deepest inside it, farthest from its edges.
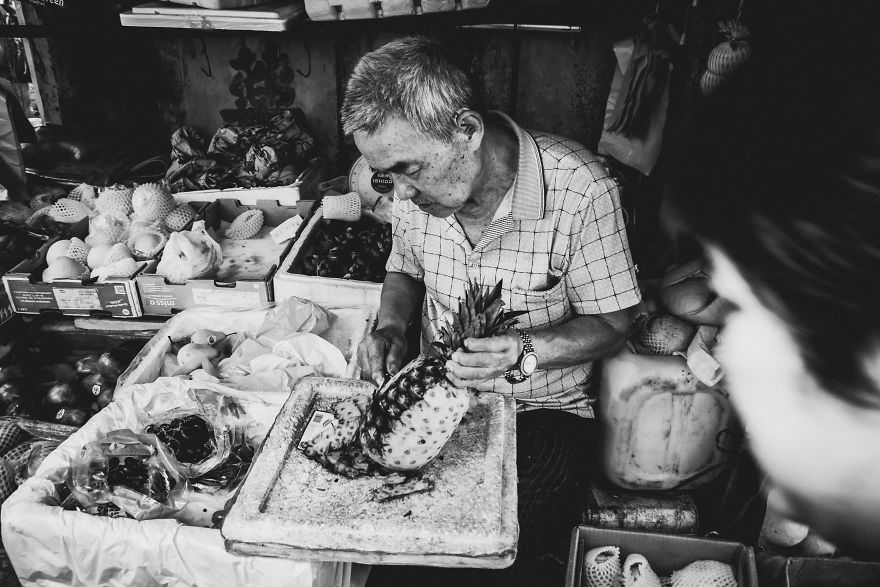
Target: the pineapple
(412, 415)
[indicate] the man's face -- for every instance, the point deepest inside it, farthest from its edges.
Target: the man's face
(820, 451)
(438, 177)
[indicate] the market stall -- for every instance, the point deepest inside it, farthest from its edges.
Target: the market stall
(201, 249)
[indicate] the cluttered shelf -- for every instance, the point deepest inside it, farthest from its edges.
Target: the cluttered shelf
(332, 17)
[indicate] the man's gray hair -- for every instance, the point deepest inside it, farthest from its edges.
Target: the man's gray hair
(412, 78)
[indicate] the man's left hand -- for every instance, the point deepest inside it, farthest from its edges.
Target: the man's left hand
(483, 359)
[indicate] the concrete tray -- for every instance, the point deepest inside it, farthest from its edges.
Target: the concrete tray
(290, 506)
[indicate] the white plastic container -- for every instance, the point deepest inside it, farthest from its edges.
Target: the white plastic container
(663, 428)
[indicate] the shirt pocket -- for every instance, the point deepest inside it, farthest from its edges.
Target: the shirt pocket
(545, 307)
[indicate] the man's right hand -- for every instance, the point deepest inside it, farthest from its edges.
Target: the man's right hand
(381, 352)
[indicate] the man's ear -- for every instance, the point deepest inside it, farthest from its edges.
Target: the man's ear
(470, 128)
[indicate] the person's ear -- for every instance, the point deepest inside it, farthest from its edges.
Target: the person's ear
(470, 128)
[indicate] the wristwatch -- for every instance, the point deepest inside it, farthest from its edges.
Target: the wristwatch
(527, 362)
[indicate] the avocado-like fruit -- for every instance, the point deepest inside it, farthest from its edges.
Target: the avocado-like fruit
(72, 416)
(19, 409)
(9, 392)
(114, 362)
(11, 373)
(104, 398)
(88, 365)
(97, 383)
(61, 395)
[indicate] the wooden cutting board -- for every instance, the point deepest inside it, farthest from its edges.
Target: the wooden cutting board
(292, 507)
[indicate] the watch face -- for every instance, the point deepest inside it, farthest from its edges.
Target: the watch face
(528, 364)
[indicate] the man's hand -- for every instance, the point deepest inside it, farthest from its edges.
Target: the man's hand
(483, 359)
(381, 353)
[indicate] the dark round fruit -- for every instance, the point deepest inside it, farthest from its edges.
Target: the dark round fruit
(9, 392)
(72, 416)
(88, 365)
(61, 395)
(11, 373)
(18, 409)
(96, 384)
(104, 399)
(114, 362)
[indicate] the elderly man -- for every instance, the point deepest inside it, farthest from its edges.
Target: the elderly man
(480, 198)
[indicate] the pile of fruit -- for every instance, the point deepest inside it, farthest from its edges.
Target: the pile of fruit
(126, 225)
(137, 475)
(189, 438)
(20, 456)
(67, 393)
(348, 250)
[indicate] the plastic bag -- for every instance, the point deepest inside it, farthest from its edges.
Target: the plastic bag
(199, 438)
(131, 471)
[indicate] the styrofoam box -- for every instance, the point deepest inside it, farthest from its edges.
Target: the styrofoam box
(220, 4)
(286, 195)
(360, 9)
(327, 291)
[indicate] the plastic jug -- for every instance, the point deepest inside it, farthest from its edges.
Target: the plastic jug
(663, 428)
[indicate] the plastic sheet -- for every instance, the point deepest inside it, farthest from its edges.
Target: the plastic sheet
(49, 546)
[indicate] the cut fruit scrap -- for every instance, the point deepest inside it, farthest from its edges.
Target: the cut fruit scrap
(105, 229)
(152, 201)
(146, 241)
(179, 217)
(121, 268)
(602, 566)
(68, 211)
(245, 225)
(704, 573)
(115, 201)
(394, 490)
(413, 414)
(638, 573)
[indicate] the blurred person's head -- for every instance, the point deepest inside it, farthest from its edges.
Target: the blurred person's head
(780, 179)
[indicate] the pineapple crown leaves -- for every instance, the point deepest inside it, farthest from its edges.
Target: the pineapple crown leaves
(479, 315)
(734, 32)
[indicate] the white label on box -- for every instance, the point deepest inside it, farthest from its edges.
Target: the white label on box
(219, 297)
(286, 230)
(317, 424)
(77, 299)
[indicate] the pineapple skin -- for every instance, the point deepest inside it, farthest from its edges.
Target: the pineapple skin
(412, 416)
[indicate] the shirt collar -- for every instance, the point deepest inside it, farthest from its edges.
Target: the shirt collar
(527, 202)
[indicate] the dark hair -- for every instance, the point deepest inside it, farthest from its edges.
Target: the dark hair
(781, 171)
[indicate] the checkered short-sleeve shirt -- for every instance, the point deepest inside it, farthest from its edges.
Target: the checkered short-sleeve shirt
(561, 251)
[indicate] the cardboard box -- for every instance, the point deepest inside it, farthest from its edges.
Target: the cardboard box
(161, 298)
(116, 296)
(325, 291)
(665, 553)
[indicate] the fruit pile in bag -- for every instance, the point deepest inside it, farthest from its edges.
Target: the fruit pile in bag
(152, 471)
(124, 474)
